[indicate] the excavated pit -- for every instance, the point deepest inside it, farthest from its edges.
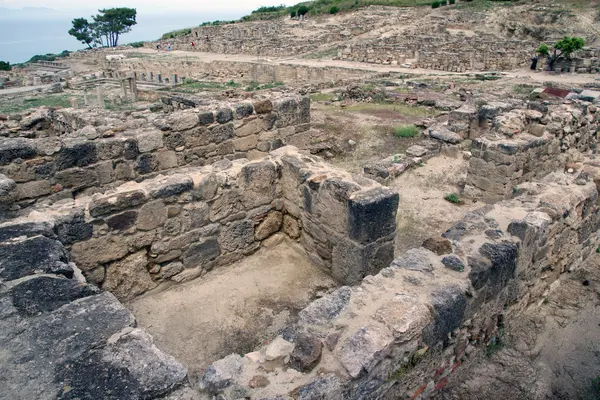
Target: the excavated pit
(233, 309)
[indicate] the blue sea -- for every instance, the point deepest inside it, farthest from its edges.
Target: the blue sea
(22, 36)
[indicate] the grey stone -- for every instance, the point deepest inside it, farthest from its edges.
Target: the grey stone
(206, 118)
(117, 202)
(589, 95)
(26, 229)
(38, 351)
(224, 115)
(149, 141)
(33, 255)
(372, 214)
(73, 228)
(243, 110)
(364, 349)
(147, 163)
(123, 221)
(172, 186)
(327, 387)
(326, 308)
(237, 235)
(13, 148)
(444, 135)
(454, 263)
(306, 353)
(76, 154)
(418, 259)
(222, 373)
(201, 253)
(449, 306)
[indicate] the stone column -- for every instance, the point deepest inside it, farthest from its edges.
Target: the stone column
(37, 81)
(86, 100)
(133, 89)
(174, 79)
(100, 97)
(158, 78)
(124, 88)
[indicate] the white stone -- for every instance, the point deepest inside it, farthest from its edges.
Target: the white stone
(278, 348)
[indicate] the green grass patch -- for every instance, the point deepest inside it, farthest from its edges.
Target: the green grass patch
(406, 131)
(252, 86)
(496, 343)
(322, 97)
(401, 109)
(22, 104)
(191, 86)
(453, 198)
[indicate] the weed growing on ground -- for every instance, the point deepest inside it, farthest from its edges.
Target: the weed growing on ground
(406, 131)
(23, 104)
(496, 343)
(453, 198)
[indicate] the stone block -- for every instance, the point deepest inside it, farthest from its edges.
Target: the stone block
(151, 215)
(202, 252)
(117, 202)
(147, 163)
(237, 235)
(129, 277)
(206, 117)
(291, 226)
(221, 133)
(13, 148)
(123, 221)
(258, 183)
(253, 127)
(364, 349)
(77, 178)
(224, 115)
(351, 262)
(372, 214)
(243, 110)
(149, 141)
(270, 225)
(245, 143)
(96, 251)
(182, 120)
(449, 304)
(34, 189)
(286, 111)
(263, 106)
(166, 159)
(76, 154)
(38, 254)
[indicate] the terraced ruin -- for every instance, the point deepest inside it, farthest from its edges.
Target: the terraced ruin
(386, 205)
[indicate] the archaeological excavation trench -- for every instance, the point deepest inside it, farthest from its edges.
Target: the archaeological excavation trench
(185, 250)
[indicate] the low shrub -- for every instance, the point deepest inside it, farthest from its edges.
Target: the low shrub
(137, 45)
(444, 3)
(406, 131)
(453, 198)
(435, 4)
(452, 1)
(334, 10)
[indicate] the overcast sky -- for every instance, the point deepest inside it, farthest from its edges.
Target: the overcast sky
(149, 5)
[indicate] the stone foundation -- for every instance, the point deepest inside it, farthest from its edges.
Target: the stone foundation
(402, 332)
(57, 154)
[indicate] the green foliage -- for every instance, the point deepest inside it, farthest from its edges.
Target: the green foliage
(435, 4)
(496, 343)
(293, 13)
(49, 56)
(452, 1)
(137, 45)
(4, 66)
(569, 45)
(83, 31)
(112, 22)
(21, 104)
(334, 10)
(406, 131)
(252, 86)
(177, 33)
(271, 9)
(302, 10)
(596, 385)
(106, 27)
(453, 198)
(443, 3)
(543, 50)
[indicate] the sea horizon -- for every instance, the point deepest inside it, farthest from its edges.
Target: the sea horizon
(46, 31)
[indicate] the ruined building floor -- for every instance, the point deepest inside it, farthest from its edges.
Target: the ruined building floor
(233, 309)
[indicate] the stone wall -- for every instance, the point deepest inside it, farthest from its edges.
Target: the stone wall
(59, 154)
(64, 338)
(443, 52)
(402, 332)
(178, 227)
(237, 70)
(524, 144)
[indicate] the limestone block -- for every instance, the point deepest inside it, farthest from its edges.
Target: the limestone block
(120, 201)
(278, 349)
(149, 141)
(263, 106)
(372, 214)
(270, 225)
(404, 317)
(252, 127)
(351, 262)
(245, 143)
(182, 120)
(445, 135)
(286, 111)
(79, 177)
(220, 133)
(31, 190)
(258, 183)
(291, 227)
(129, 277)
(151, 215)
(94, 252)
(222, 373)
(364, 349)
(8, 193)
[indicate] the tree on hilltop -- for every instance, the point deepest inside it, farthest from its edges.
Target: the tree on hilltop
(83, 31)
(4, 66)
(106, 27)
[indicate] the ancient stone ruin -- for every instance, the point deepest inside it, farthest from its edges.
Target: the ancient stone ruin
(190, 227)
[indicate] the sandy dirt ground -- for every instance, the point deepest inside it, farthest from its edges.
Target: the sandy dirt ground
(423, 212)
(552, 350)
(232, 309)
